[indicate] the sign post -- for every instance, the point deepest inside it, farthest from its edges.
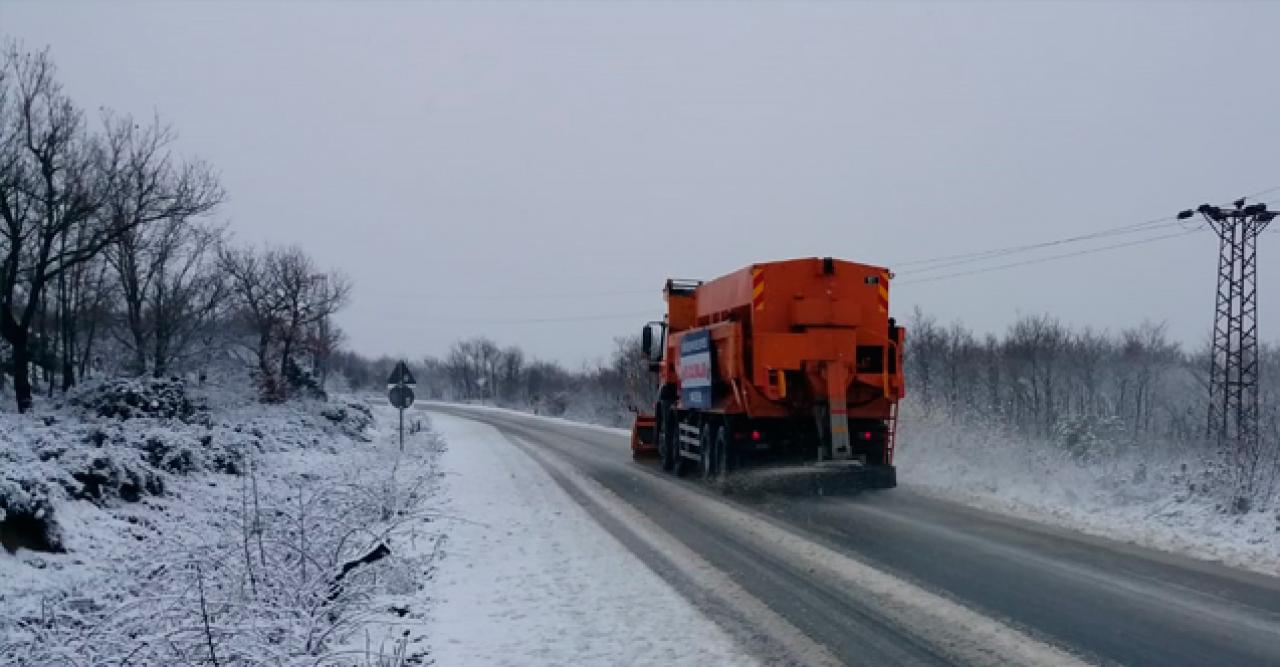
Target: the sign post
(400, 392)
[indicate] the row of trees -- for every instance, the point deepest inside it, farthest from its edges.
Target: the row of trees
(1085, 388)
(478, 369)
(110, 260)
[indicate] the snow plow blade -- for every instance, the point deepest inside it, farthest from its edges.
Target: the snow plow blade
(644, 441)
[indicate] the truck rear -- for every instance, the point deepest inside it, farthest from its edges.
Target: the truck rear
(790, 363)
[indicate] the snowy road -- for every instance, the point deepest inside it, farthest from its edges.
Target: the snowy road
(888, 578)
(528, 578)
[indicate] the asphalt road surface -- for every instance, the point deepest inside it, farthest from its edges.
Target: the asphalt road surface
(895, 578)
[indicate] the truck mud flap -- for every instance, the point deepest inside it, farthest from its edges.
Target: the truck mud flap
(644, 438)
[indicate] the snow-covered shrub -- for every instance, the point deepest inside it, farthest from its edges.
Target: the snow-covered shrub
(27, 516)
(1089, 438)
(71, 456)
(303, 383)
(137, 397)
(554, 404)
(353, 418)
(101, 475)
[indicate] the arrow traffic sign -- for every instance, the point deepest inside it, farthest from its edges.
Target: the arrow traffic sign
(400, 375)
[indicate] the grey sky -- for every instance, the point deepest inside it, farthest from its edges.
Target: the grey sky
(467, 164)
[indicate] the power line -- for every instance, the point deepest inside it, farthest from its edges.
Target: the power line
(513, 295)
(1122, 229)
(926, 266)
(949, 261)
(959, 259)
(539, 320)
(1262, 192)
(1050, 258)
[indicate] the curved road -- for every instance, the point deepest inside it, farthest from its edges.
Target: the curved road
(866, 578)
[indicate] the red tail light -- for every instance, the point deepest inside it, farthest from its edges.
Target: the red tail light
(866, 435)
(755, 435)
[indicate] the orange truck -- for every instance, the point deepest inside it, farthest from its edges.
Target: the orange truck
(794, 362)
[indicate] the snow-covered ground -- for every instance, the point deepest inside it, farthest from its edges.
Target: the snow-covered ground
(231, 552)
(526, 577)
(232, 555)
(1121, 496)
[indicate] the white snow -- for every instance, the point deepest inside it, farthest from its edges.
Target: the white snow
(528, 578)
(130, 582)
(1123, 497)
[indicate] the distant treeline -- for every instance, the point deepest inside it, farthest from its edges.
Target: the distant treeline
(1095, 393)
(480, 370)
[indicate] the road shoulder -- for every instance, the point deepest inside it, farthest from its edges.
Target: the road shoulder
(527, 577)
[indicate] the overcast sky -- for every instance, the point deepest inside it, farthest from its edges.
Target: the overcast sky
(513, 170)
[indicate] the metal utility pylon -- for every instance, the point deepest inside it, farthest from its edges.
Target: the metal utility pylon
(1233, 373)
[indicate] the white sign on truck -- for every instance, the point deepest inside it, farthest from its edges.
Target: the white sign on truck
(695, 369)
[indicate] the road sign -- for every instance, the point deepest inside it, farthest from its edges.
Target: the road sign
(400, 375)
(401, 397)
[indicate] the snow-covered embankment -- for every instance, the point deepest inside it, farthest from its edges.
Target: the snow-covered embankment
(241, 533)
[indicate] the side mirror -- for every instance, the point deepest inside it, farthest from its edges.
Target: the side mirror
(653, 338)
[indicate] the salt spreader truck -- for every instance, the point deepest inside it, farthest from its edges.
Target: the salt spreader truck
(790, 363)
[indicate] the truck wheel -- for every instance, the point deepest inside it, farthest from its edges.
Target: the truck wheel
(708, 441)
(723, 457)
(679, 465)
(667, 434)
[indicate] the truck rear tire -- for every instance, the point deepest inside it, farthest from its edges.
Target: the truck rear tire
(708, 440)
(679, 464)
(723, 458)
(668, 431)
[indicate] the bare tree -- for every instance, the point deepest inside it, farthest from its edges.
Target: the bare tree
(186, 292)
(286, 303)
(305, 297)
(91, 297)
(52, 177)
(461, 366)
(925, 346)
(323, 343)
(475, 366)
(161, 257)
(510, 375)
